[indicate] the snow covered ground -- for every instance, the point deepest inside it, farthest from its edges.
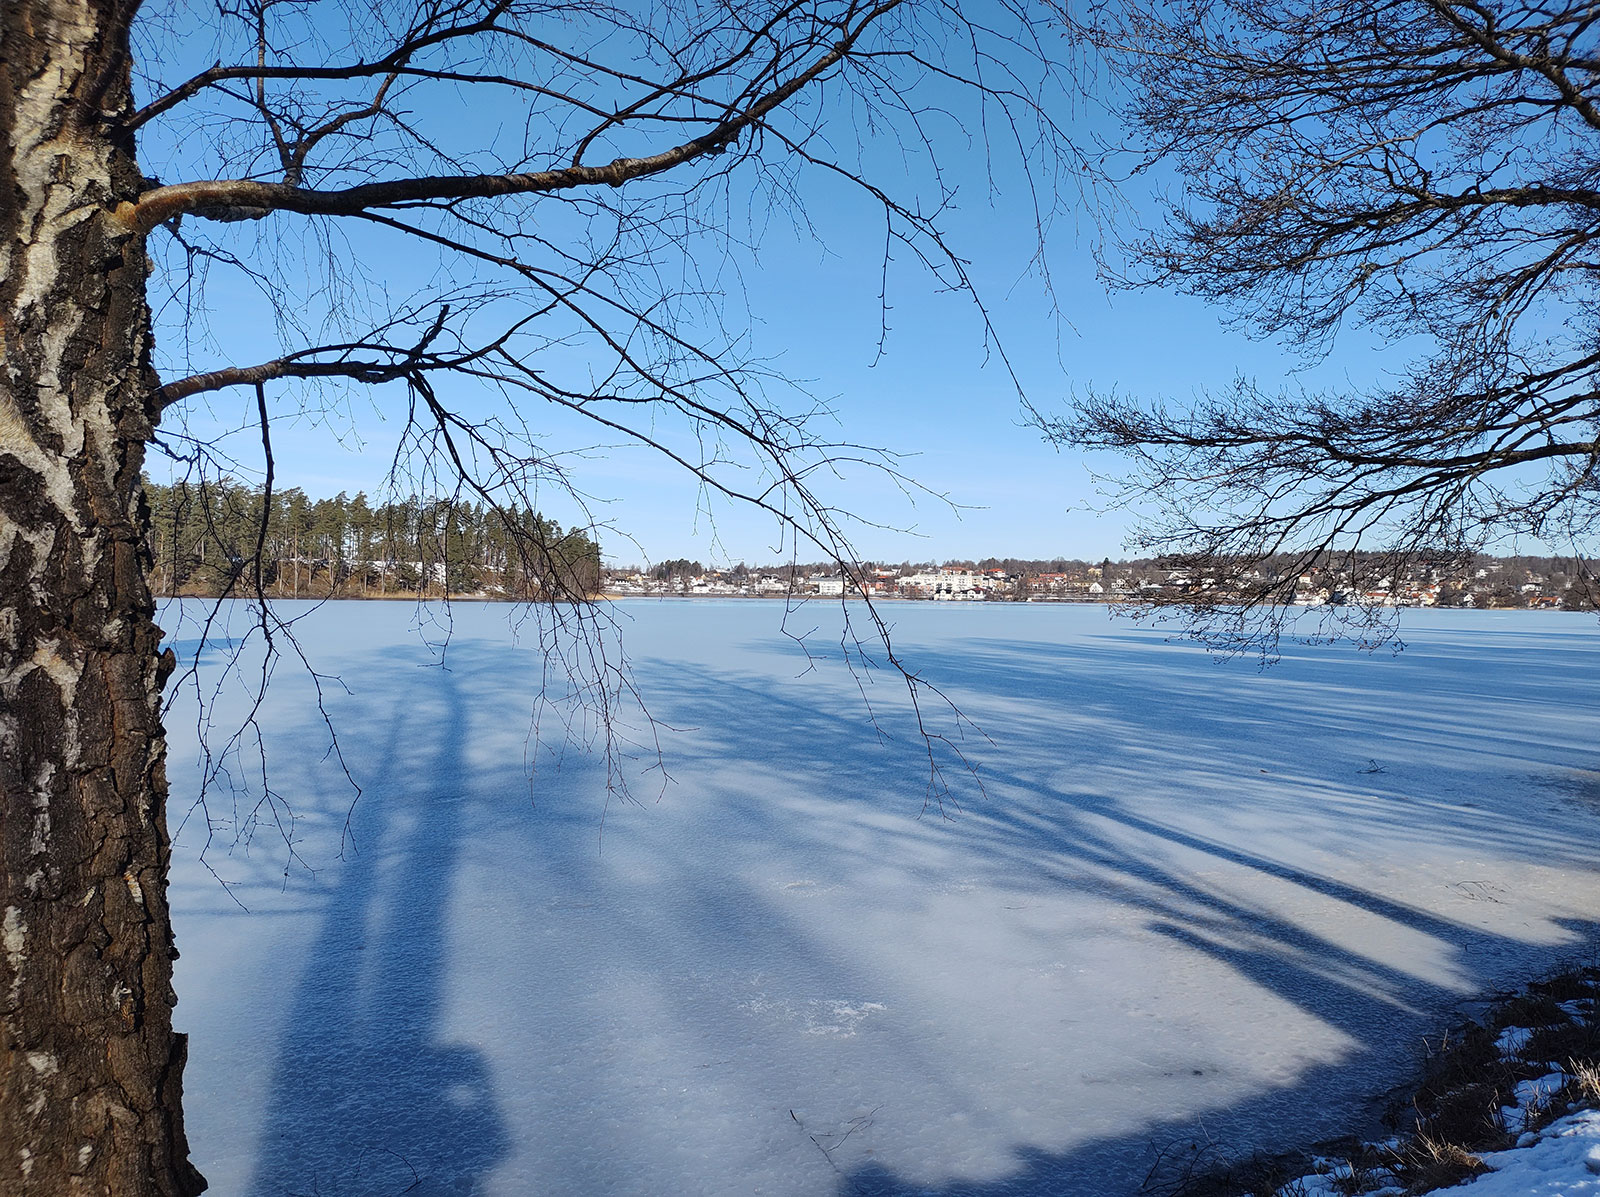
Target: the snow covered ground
(1564, 1161)
(1197, 903)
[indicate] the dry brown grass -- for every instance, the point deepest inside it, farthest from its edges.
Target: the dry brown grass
(1455, 1112)
(1423, 1163)
(1585, 1083)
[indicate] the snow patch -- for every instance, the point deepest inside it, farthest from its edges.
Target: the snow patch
(817, 1016)
(1510, 1042)
(840, 1018)
(1530, 1096)
(1556, 1165)
(806, 888)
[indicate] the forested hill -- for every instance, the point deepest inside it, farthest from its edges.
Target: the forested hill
(225, 537)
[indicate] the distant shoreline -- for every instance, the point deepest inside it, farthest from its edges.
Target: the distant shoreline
(897, 599)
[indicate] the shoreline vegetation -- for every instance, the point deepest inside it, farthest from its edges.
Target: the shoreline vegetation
(225, 538)
(433, 596)
(1492, 1084)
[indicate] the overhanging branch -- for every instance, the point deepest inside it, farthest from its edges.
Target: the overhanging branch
(250, 197)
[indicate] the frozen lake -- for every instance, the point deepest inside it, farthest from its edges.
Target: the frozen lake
(1197, 903)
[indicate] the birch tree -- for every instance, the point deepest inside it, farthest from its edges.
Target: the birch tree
(328, 154)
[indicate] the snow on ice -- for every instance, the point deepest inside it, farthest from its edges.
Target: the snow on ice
(1185, 906)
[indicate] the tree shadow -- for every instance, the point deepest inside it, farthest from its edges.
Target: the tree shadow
(367, 1098)
(1182, 916)
(1189, 877)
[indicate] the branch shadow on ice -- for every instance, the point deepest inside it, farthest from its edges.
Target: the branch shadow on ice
(780, 977)
(367, 1098)
(1074, 824)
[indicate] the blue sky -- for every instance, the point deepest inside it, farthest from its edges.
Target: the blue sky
(808, 303)
(934, 395)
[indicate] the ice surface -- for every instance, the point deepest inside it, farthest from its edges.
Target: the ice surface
(1184, 911)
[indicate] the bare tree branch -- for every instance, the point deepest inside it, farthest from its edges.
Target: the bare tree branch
(1426, 168)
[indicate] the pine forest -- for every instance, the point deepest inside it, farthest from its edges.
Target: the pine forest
(227, 538)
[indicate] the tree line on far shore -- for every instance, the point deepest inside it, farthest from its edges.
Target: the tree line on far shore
(1445, 579)
(228, 538)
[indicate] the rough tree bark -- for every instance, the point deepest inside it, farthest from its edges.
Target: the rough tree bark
(90, 1067)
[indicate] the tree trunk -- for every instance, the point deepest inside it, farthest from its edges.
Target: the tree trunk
(90, 1069)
